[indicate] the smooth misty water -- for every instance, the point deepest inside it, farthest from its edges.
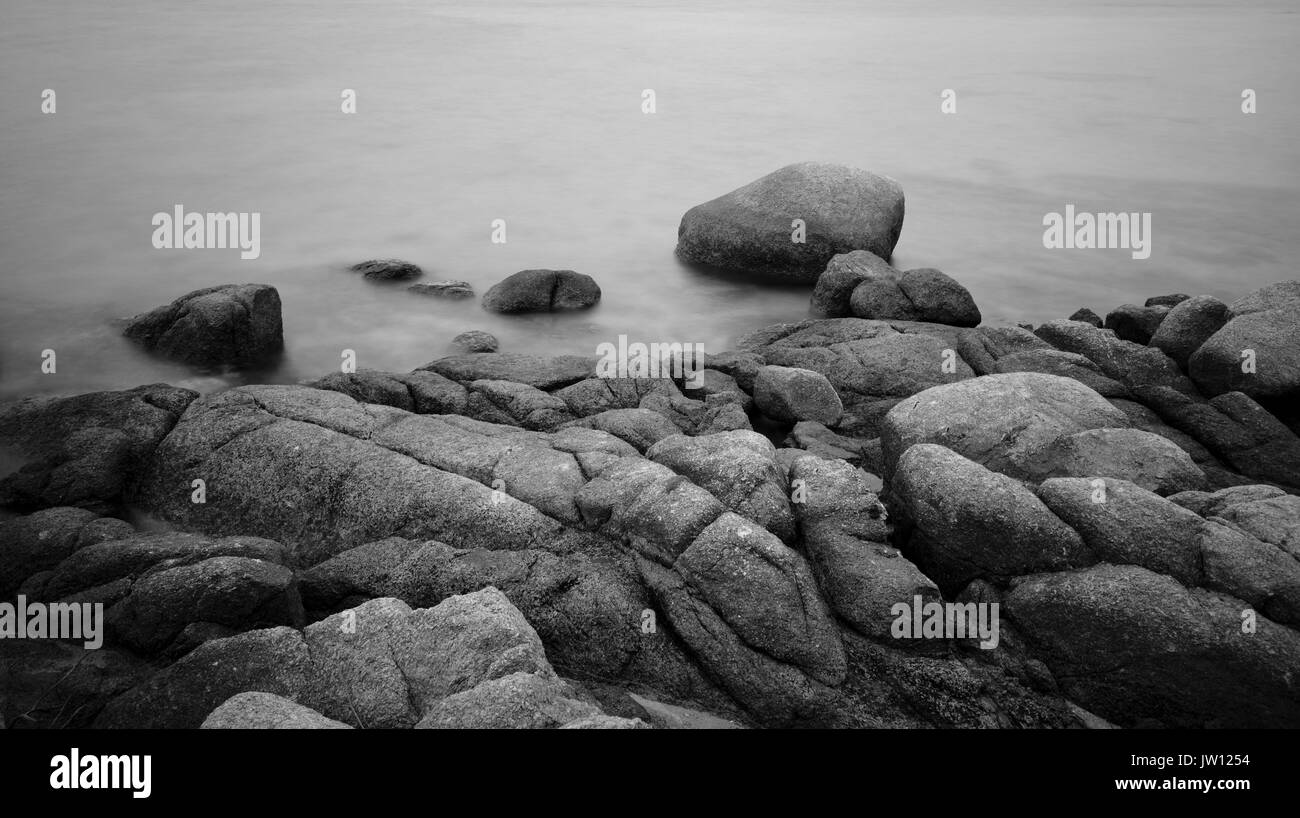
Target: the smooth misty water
(530, 112)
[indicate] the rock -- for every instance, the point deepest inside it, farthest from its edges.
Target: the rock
(743, 366)
(420, 391)
(971, 522)
(1064, 364)
(1007, 423)
(517, 701)
(1086, 316)
(739, 468)
(1166, 300)
(586, 606)
(1258, 573)
(543, 373)
(1136, 324)
(661, 511)
(938, 298)
(132, 557)
(841, 277)
(186, 692)
(389, 269)
(1236, 429)
(516, 404)
(320, 473)
(815, 438)
(235, 325)
(542, 291)
(642, 428)
(776, 692)
(1282, 295)
(843, 524)
(871, 364)
(1129, 525)
(432, 394)
(766, 594)
(476, 341)
(1132, 645)
(1142, 458)
(1274, 520)
(1189, 325)
(1220, 364)
(233, 591)
(40, 541)
(714, 382)
(369, 386)
(50, 684)
(917, 295)
(751, 228)
(1131, 364)
(665, 716)
(267, 711)
(444, 289)
(595, 395)
(85, 450)
(1218, 503)
(791, 394)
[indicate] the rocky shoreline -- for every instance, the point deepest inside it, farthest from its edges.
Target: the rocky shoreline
(500, 539)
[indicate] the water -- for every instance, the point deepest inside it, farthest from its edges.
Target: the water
(530, 112)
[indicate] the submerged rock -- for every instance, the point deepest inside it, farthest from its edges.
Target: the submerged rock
(444, 289)
(542, 291)
(228, 325)
(388, 269)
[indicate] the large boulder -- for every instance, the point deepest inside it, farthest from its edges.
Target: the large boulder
(1188, 325)
(542, 291)
(1124, 523)
(1281, 295)
(235, 325)
(1148, 460)
(1008, 423)
(1133, 323)
(1131, 364)
(739, 468)
(751, 229)
(843, 525)
(40, 541)
(1136, 647)
(1255, 353)
(916, 295)
(85, 450)
(971, 523)
(791, 394)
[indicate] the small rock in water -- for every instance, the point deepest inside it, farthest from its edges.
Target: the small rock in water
(476, 341)
(542, 291)
(228, 325)
(388, 269)
(445, 289)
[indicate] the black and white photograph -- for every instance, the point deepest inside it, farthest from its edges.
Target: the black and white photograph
(895, 372)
